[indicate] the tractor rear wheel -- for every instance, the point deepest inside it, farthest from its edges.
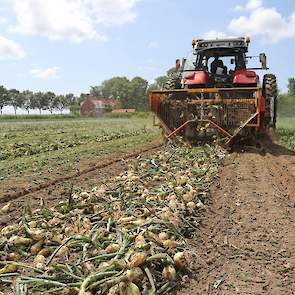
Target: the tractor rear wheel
(270, 93)
(172, 83)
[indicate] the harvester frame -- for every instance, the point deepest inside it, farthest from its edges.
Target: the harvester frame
(239, 111)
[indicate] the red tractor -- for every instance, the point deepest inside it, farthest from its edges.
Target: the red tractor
(213, 92)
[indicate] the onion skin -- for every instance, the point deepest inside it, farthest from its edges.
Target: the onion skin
(137, 259)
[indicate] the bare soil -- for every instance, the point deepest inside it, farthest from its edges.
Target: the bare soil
(247, 239)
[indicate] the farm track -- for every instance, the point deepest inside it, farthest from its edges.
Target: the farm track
(99, 166)
(246, 243)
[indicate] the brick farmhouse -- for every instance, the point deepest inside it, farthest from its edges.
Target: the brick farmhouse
(95, 106)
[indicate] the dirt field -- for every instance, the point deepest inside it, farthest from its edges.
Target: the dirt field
(247, 239)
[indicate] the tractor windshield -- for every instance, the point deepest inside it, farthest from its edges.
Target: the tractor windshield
(228, 59)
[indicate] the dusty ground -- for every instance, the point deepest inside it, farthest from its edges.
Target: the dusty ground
(247, 240)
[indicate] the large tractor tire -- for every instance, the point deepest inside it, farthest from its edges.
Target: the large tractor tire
(172, 83)
(270, 93)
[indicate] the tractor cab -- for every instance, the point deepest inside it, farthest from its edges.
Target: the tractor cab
(219, 63)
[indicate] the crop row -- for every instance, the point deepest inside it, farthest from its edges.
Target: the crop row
(20, 149)
(131, 236)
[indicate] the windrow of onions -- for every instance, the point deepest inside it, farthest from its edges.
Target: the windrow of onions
(129, 236)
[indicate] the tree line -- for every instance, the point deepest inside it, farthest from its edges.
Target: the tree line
(130, 93)
(30, 100)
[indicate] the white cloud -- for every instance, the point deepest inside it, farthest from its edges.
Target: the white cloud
(115, 12)
(3, 20)
(55, 19)
(152, 44)
(10, 49)
(216, 35)
(46, 74)
(250, 5)
(265, 22)
(71, 19)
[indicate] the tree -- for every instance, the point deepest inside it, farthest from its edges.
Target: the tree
(4, 98)
(27, 100)
(16, 99)
(96, 91)
(138, 94)
(160, 82)
(291, 86)
(117, 88)
(62, 102)
(40, 101)
(48, 100)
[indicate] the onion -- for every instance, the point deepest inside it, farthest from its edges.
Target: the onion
(45, 252)
(135, 275)
(128, 289)
(6, 231)
(36, 248)
(191, 205)
(180, 259)
(63, 252)
(140, 241)
(54, 221)
(112, 248)
(19, 241)
(5, 209)
(189, 196)
(169, 273)
(36, 234)
(89, 267)
(178, 189)
(169, 244)
(114, 290)
(13, 256)
(180, 180)
(137, 259)
(11, 267)
(163, 236)
(39, 262)
(84, 195)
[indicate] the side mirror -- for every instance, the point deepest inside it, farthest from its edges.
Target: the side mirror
(263, 60)
(177, 65)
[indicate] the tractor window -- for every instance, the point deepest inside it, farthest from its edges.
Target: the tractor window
(190, 63)
(229, 63)
(224, 61)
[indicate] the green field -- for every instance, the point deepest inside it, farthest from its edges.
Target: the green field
(33, 151)
(286, 131)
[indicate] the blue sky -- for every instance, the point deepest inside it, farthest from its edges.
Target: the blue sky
(68, 45)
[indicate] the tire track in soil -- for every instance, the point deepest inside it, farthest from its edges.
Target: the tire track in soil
(247, 239)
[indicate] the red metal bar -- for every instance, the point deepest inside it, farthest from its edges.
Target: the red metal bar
(219, 128)
(180, 128)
